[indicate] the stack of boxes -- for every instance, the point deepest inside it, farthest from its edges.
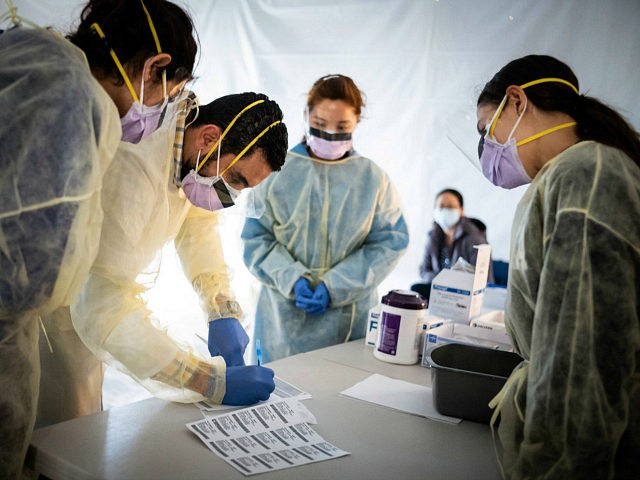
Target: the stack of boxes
(456, 313)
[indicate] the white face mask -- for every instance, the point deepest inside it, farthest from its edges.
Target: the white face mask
(446, 217)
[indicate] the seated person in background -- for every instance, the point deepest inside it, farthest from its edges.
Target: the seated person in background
(453, 236)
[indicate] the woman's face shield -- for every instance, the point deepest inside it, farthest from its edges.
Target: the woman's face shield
(463, 127)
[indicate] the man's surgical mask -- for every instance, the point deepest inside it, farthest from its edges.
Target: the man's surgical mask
(328, 145)
(446, 217)
(210, 193)
(214, 193)
(141, 120)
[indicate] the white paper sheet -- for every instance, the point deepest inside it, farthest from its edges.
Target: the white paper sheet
(405, 396)
(284, 390)
(265, 438)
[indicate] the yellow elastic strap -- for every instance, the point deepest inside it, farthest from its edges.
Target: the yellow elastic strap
(96, 28)
(550, 79)
(544, 132)
(152, 27)
(206, 157)
(158, 48)
(251, 144)
(530, 84)
(496, 116)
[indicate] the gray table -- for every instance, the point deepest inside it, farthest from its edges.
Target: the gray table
(149, 440)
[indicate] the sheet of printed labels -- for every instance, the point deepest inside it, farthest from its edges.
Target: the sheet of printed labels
(265, 437)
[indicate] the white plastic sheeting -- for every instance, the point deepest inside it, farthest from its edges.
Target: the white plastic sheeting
(421, 64)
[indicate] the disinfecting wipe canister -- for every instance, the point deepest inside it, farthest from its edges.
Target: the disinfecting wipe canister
(401, 316)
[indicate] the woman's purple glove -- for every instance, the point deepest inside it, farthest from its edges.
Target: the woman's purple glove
(248, 385)
(228, 338)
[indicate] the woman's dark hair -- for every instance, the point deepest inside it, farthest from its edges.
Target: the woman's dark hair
(128, 33)
(336, 87)
(453, 192)
(596, 121)
(249, 125)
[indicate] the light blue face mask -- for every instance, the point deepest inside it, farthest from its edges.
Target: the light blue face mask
(446, 217)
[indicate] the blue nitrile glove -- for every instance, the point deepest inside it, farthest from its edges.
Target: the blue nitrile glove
(304, 294)
(248, 385)
(320, 300)
(302, 290)
(228, 338)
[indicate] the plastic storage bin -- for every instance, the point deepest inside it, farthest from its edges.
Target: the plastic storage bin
(464, 379)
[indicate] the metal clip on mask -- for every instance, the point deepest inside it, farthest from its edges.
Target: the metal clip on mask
(214, 193)
(500, 162)
(140, 120)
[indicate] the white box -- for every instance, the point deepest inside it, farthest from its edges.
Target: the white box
(457, 295)
(495, 297)
(453, 332)
(493, 320)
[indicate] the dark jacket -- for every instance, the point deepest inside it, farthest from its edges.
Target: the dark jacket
(467, 235)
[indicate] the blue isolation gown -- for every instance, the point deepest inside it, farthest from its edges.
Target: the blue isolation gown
(338, 222)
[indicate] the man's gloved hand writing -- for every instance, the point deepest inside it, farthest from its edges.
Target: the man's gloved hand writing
(228, 338)
(248, 385)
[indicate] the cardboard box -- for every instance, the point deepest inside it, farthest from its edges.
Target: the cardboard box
(453, 332)
(458, 295)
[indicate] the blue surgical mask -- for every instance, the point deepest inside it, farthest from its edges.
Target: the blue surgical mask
(446, 217)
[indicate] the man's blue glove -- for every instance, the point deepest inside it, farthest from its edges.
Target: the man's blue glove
(248, 385)
(228, 338)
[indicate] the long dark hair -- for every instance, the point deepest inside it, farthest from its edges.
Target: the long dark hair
(596, 121)
(126, 27)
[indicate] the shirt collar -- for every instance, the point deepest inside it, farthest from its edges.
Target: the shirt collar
(186, 102)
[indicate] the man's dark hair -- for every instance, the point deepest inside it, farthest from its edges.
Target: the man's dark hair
(251, 123)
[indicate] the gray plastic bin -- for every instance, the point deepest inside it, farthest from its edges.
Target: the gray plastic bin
(465, 378)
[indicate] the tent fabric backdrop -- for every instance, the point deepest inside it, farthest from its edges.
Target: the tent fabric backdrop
(421, 64)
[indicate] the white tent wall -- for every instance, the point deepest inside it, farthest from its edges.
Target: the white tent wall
(421, 64)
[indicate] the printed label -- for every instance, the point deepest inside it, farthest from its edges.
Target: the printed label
(388, 333)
